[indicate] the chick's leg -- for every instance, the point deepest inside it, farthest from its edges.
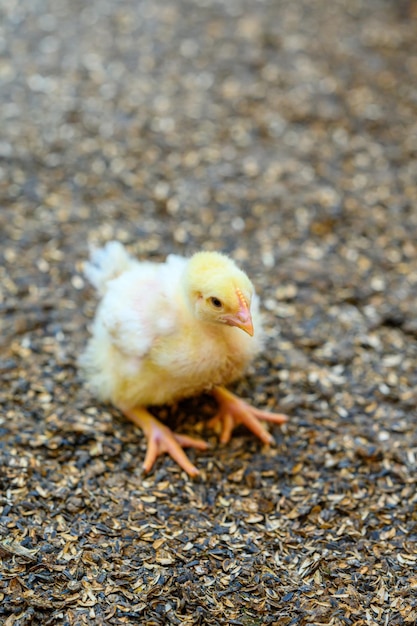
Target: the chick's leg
(234, 411)
(161, 439)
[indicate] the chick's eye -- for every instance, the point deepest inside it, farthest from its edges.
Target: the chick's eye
(216, 303)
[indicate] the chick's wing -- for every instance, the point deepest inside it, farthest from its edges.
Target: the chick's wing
(138, 309)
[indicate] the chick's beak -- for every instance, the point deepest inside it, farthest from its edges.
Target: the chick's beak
(242, 318)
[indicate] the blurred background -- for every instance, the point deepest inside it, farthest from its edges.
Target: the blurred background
(197, 121)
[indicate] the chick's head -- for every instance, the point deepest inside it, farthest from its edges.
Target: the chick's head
(218, 291)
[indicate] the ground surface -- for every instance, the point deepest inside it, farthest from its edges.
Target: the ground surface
(284, 133)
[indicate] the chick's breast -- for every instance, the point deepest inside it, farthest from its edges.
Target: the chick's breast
(200, 358)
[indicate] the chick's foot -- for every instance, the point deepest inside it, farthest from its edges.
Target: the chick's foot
(161, 439)
(234, 411)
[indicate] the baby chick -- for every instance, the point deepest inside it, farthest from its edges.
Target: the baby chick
(167, 331)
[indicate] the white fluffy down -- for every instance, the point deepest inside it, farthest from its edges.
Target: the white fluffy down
(147, 347)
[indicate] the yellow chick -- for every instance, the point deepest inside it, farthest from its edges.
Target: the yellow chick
(167, 331)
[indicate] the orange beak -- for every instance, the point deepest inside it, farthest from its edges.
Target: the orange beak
(242, 318)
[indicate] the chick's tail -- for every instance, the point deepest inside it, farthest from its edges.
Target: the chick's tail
(107, 263)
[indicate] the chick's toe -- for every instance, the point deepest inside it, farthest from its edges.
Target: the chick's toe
(162, 440)
(234, 411)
